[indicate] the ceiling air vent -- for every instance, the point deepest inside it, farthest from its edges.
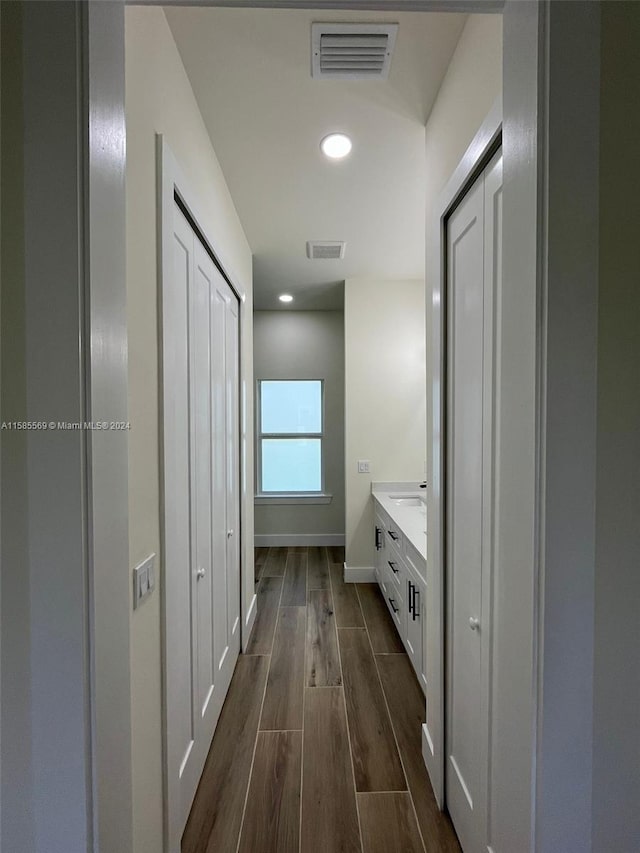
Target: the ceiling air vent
(352, 51)
(325, 250)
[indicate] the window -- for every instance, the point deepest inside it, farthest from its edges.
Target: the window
(290, 424)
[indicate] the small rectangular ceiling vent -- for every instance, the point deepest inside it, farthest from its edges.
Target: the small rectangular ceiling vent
(352, 51)
(325, 250)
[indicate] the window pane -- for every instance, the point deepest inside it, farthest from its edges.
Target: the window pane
(291, 465)
(291, 406)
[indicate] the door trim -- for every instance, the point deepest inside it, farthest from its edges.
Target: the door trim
(483, 146)
(172, 189)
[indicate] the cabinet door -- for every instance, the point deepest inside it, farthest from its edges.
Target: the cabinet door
(414, 635)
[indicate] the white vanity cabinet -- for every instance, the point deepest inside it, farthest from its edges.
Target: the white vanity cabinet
(400, 571)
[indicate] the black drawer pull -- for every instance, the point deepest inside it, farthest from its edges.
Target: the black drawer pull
(394, 535)
(393, 606)
(392, 566)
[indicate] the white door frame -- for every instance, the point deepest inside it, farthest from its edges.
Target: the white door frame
(172, 182)
(66, 581)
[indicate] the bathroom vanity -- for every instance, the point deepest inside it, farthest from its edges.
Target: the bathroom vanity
(401, 563)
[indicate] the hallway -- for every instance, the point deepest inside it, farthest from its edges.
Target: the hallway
(318, 747)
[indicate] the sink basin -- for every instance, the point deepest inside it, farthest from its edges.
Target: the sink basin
(400, 500)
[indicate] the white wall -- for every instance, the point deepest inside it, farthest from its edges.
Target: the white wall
(472, 82)
(160, 100)
(306, 345)
(385, 406)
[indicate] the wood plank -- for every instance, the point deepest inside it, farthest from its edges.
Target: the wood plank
(382, 630)
(345, 599)
(335, 554)
(318, 569)
(388, 824)
(272, 819)
(275, 563)
(216, 815)
(260, 558)
(329, 815)
(261, 640)
(407, 707)
(376, 762)
(323, 662)
(283, 698)
(294, 591)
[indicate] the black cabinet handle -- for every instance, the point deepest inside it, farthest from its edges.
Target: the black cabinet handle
(416, 615)
(392, 566)
(393, 606)
(378, 539)
(412, 591)
(393, 535)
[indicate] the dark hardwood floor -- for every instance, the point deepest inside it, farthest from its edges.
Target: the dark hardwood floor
(318, 747)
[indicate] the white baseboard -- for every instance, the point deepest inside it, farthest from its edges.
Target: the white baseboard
(248, 622)
(290, 539)
(427, 757)
(359, 574)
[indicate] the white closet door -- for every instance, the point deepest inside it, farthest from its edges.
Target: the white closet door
(201, 506)
(226, 564)
(465, 265)
(233, 472)
(202, 516)
(473, 266)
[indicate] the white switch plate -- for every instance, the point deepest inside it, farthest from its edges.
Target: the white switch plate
(363, 466)
(144, 580)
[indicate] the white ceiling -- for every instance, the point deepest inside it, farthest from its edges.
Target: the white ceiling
(250, 70)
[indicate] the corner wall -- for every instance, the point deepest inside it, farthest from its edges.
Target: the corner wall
(472, 83)
(385, 382)
(159, 99)
(306, 345)
(616, 738)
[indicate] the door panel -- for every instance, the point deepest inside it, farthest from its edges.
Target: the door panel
(182, 713)
(465, 366)
(233, 467)
(473, 278)
(219, 474)
(201, 511)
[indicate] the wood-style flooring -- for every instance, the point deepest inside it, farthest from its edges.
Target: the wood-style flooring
(318, 747)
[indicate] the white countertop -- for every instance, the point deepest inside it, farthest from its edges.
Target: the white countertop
(411, 520)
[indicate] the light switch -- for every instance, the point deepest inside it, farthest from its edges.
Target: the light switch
(144, 580)
(363, 466)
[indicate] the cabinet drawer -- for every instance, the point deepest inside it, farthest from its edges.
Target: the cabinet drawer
(393, 536)
(395, 573)
(396, 607)
(415, 561)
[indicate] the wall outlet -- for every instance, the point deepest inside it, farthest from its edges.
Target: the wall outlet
(363, 466)
(144, 580)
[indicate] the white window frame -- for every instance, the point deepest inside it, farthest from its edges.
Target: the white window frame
(289, 496)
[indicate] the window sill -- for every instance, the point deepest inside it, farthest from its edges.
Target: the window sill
(282, 500)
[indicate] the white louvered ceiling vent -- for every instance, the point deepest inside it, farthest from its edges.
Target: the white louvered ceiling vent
(325, 250)
(352, 51)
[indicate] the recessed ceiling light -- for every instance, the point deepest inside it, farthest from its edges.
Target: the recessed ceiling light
(285, 297)
(336, 146)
